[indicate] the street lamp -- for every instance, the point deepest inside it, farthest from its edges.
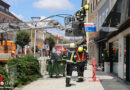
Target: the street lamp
(34, 19)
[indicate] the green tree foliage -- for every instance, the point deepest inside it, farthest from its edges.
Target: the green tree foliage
(28, 69)
(22, 38)
(51, 42)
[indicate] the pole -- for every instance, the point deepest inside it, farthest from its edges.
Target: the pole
(35, 44)
(87, 34)
(36, 18)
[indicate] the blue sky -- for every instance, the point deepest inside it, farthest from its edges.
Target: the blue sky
(25, 9)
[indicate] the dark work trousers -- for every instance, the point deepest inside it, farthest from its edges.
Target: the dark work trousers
(69, 70)
(80, 69)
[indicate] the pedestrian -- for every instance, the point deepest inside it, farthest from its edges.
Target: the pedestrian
(80, 59)
(71, 59)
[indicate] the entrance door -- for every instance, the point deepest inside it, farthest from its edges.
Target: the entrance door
(128, 58)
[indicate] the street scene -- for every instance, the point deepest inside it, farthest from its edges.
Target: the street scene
(65, 45)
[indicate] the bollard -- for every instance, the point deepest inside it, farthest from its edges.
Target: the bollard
(94, 71)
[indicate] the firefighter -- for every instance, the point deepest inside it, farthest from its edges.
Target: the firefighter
(81, 58)
(70, 63)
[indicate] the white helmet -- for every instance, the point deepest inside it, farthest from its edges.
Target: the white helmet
(72, 45)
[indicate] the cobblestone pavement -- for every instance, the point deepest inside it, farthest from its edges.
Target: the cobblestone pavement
(108, 82)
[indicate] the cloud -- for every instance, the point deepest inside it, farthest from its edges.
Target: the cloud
(18, 16)
(54, 5)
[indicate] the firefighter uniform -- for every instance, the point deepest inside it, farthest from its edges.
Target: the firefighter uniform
(81, 58)
(70, 64)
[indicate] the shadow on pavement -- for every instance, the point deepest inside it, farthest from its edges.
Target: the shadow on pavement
(111, 82)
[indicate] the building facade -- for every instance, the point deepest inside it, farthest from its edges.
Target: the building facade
(94, 7)
(112, 18)
(120, 39)
(7, 17)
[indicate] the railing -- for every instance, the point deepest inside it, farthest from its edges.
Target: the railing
(11, 76)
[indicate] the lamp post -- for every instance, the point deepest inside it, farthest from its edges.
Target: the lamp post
(35, 18)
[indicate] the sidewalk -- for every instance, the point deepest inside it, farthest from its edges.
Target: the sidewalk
(109, 82)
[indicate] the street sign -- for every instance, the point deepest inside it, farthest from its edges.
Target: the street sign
(47, 42)
(90, 27)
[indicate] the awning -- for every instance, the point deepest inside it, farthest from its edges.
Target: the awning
(113, 18)
(101, 35)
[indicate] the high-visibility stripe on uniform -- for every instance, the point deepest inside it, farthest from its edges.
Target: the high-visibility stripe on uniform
(80, 77)
(71, 59)
(68, 76)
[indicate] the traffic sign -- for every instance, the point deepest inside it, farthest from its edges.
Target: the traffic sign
(47, 42)
(90, 27)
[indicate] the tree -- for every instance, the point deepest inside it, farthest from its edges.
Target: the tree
(51, 42)
(22, 39)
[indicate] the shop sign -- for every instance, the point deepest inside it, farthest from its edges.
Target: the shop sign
(90, 27)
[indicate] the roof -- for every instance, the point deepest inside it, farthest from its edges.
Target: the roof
(11, 14)
(4, 3)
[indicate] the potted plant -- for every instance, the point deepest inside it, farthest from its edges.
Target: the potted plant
(115, 61)
(105, 58)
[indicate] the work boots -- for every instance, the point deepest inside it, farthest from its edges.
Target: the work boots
(68, 82)
(68, 85)
(80, 80)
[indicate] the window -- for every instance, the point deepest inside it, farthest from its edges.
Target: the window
(2, 7)
(3, 19)
(85, 1)
(106, 12)
(129, 9)
(96, 2)
(93, 5)
(91, 8)
(100, 19)
(7, 10)
(0, 19)
(103, 16)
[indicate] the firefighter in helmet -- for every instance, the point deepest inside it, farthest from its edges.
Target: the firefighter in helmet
(71, 59)
(80, 59)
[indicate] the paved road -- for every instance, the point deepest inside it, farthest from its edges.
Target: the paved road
(108, 83)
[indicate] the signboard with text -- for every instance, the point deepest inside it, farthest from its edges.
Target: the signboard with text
(90, 27)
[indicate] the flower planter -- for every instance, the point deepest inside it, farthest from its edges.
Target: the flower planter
(106, 66)
(115, 67)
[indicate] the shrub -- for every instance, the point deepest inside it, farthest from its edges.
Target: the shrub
(28, 69)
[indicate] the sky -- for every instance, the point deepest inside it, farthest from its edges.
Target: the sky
(25, 9)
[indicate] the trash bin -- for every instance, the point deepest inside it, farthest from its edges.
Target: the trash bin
(55, 65)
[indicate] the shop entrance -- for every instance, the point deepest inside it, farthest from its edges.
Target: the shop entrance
(127, 58)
